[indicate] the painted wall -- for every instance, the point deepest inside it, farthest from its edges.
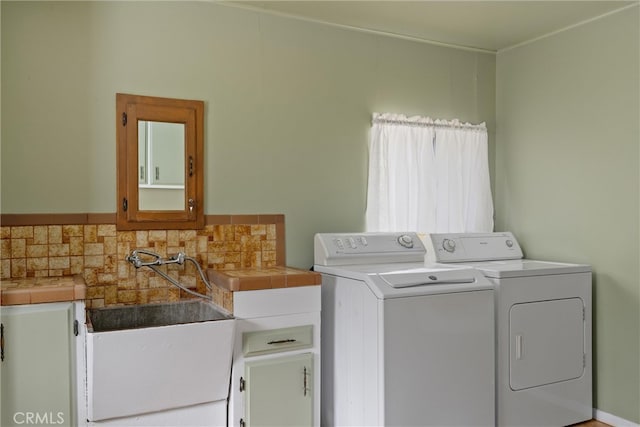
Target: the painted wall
(288, 104)
(567, 182)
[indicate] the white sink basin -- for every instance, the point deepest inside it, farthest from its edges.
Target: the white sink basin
(150, 358)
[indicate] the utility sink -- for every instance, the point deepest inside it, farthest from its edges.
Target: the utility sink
(155, 357)
(152, 315)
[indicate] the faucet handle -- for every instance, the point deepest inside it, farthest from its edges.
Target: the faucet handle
(178, 258)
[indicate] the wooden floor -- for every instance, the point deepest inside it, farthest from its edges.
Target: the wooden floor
(592, 423)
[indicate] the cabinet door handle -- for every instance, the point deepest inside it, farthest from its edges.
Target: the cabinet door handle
(304, 375)
(282, 341)
(2, 342)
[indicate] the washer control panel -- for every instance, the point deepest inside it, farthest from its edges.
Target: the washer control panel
(469, 247)
(367, 248)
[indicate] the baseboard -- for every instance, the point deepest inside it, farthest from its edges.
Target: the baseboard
(612, 419)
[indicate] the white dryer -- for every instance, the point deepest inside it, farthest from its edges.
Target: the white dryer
(403, 344)
(543, 328)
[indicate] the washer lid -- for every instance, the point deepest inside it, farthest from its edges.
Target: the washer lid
(526, 268)
(405, 280)
(428, 280)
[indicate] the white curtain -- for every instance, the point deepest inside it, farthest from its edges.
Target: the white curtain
(428, 176)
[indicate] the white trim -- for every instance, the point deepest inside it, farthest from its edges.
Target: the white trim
(572, 26)
(611, 419)
(351, 27)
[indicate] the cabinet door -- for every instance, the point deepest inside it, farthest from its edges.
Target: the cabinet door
(37, 366)
(280, 391)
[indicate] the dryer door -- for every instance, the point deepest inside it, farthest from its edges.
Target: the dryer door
(546, 342)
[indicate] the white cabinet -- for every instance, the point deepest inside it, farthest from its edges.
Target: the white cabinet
(39, 355)
(276, 366)
(279, 391)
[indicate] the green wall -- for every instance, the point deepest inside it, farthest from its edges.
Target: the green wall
(567, 182)
(288, 104)
(288, 107)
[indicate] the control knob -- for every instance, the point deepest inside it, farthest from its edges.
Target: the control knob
(509, 243)
(406, 241)
(449, 245)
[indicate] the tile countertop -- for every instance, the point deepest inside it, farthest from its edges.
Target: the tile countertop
(252, 279)
(36, 290)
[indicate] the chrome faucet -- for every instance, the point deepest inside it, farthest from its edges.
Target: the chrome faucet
(137, 262)
(156, 260)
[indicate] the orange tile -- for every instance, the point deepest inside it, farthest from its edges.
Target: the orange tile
(106, 230)
(126, 236)
(160, 247)
(5, 232)
(76, 245)
(40, 235)
(55, 234)
(18, 267)
(94, 261)
(279, 281)
(59, 249)
(37, 264)
(110, 244)
(76, 264)
(69, 231)
(142, 239)
(95, 303)
(90, 276)
(96, 291)
(251, 243)
(16, 297)
(90, 233)
(268, 256)
(58, 263)
(157, 236)
(142, 296)
(107, 279)
(5, 249)
(245, 219)
(190, 247)
(80, 292)
(186, 235)
(241, 230)
(23, 232)
(127, 297)
(18, 248)
(259, 229)
(5, 266)
(110, 295)
(52, 294)
(268, 245)
(34, 251)
(232, 257)
(173, 238)
(93, 249)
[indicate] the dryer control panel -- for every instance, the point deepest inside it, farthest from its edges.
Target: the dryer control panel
(367, 248)
(469, 247)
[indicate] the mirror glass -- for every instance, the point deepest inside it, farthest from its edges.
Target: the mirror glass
(161, 163)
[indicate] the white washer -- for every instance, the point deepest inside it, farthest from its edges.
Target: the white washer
(543, 328)
(403, 344)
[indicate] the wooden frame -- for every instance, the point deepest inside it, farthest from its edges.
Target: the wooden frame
(130, 109)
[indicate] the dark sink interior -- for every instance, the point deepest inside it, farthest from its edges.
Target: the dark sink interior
(150, 315)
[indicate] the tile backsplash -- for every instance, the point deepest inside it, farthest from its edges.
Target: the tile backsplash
(97, 252)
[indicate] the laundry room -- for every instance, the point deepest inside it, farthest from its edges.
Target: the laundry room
(281, 149)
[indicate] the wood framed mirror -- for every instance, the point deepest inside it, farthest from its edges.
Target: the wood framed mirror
(160, 163)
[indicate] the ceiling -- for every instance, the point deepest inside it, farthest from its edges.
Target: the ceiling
(485, 25)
